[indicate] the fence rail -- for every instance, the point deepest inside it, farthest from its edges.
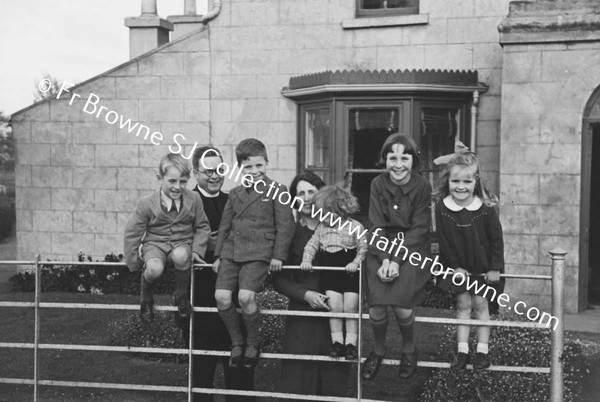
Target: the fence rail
(555, 370)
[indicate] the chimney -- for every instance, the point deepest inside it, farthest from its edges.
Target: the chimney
(190, 20)
(148, 31)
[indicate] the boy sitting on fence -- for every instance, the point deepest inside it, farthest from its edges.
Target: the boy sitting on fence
(172, 229)
(254, 236)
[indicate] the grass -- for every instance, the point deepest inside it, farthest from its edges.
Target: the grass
(75, 326)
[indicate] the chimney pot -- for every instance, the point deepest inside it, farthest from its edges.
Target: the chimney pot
(148, 31)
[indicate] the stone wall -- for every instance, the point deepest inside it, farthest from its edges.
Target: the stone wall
(257, 45)
(78, 177)
(545, 89)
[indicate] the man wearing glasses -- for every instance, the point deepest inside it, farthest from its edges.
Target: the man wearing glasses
(209, 331)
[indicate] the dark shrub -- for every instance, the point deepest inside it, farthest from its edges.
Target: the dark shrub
(510, 347)
(90, 278)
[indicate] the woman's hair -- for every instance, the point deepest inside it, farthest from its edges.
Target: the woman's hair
(307, 176)
(336, 200)
(464, 160)
(410, 147)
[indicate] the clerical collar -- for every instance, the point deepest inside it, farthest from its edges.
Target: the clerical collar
(453, 206)
(207, 194)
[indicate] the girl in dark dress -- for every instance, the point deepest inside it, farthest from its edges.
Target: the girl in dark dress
(307, 335)
(400, 211)
(470, 237)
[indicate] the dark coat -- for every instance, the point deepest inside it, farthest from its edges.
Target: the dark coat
(471, 239)
(255, 227)
(397, 209)
(306, 335)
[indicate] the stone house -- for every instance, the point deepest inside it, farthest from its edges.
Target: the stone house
(322, 83)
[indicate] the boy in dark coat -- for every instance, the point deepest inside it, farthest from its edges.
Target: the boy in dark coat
(254, 237)
(209, 331)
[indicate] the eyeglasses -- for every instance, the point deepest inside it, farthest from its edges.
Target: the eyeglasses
(210, 172)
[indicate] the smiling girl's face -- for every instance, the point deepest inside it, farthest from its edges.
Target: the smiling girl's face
(461, 184)
(399, 164)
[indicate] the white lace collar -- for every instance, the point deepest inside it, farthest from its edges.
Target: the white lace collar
(453, 206)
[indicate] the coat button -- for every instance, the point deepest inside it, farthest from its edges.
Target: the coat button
(395, 206)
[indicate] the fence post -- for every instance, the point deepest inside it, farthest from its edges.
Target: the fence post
(557, 335)
(36, 333)
(361, 268)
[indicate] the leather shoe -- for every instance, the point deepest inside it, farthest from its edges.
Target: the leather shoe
(147, 311)
(336, 350)
(251, 360)
(460, 361)
(236, 360)
(482, 361)
(183, 305)
(370, 367)
(351, 352)
(408, 364)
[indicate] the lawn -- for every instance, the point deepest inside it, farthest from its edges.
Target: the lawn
(75, 326)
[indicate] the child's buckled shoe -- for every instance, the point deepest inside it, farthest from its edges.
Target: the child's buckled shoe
(236, 360)
(370, 367)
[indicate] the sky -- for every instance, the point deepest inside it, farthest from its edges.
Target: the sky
(71, 40)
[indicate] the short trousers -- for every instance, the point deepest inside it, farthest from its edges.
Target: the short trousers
(248, 275)
(161, 251)
(337, 281)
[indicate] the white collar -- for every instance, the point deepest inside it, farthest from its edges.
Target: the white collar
(453, 206)
(207, 194)
(169, 201)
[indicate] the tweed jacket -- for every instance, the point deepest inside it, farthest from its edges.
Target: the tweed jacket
(254, 226)
(149, 223)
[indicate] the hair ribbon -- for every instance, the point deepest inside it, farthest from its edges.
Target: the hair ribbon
(459, 148)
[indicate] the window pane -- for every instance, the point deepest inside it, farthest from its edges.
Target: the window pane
(439, 131)
(318, 133)
(385, 4)
(368, 129)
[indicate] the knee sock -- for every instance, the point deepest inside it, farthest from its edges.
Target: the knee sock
(146, 289)
(379, 334)
(337, 337)
(252, 322)
(351, 338)
(182, 281)
(231, 319)
(407, 329)
(482, 348)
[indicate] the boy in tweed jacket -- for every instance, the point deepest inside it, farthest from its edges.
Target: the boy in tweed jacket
(254, 237)
(172, 229)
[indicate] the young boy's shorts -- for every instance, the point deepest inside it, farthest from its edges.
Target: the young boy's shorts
(250, 275)
(161, 251)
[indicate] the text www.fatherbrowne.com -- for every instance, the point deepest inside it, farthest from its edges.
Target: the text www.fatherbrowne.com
(396, 246)
(393, 247)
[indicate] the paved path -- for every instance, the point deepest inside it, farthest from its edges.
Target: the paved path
(587, 321)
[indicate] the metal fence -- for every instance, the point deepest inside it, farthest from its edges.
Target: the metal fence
(555, 369)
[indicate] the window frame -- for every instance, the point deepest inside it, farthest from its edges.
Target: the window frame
(340, 106)
(384, 12)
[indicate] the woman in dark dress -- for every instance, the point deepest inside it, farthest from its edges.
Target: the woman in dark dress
(307, 335)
